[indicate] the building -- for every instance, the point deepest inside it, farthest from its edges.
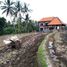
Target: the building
(50, 23)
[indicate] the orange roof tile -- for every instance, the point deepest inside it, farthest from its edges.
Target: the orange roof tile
(46, 19)
(55, 21)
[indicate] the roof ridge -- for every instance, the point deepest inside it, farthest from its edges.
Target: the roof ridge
(59, 19)
(53, 18)
(48, 18)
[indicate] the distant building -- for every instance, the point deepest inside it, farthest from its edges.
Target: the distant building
(50, 23)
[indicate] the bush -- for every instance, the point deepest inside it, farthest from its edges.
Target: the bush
(8, 30)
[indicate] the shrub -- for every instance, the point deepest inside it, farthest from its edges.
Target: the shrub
(8, 30)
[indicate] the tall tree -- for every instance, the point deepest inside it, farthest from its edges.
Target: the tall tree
(8, 7)
(26, 11)
(18, 14)
(16, 10)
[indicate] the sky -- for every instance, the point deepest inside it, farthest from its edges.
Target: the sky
(47, 8)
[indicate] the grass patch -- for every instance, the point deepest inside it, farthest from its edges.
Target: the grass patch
(42, 52)
(41, 55)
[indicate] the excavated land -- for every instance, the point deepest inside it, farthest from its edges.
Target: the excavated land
(22, 54)
(57, 49)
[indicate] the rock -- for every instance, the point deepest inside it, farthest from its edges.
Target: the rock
(50, 44)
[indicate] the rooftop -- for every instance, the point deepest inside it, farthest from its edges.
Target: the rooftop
(52, 21)
(46, 19)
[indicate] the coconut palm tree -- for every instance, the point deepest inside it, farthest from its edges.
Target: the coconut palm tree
(16, 10)
(8, 7)
(26, 8)
(12, 8)
(18, 14)
(26, 11)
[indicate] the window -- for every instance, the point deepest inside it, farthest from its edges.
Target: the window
(46, 23)
(41, 24)
(41, 29)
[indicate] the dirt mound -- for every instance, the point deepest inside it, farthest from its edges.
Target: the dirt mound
(61, 48)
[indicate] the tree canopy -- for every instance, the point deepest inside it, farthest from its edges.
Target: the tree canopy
(2, 24)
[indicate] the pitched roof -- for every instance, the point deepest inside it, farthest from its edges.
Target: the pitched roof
(56, 21)
(53, 21)
(46, 19)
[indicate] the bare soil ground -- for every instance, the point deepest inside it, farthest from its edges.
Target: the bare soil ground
(59, 56)
(8, 36)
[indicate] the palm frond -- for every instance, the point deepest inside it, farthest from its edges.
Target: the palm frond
(7, 11)
(8, 2)
(5, 2)
(1, 2)
(18, 6)
(4, 11)
(3, 7)
(13, 8)
(12, 3)
(29, 10)
(11, 11)
(8, 7)
(26, 9)
(15, 14)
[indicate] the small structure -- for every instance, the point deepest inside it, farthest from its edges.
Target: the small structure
(50, 23)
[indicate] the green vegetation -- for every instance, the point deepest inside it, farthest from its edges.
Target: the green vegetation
(8, 28)
(2, 25)
(41, 55)
(21, 21)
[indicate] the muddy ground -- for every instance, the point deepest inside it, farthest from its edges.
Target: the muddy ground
(58, 49)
